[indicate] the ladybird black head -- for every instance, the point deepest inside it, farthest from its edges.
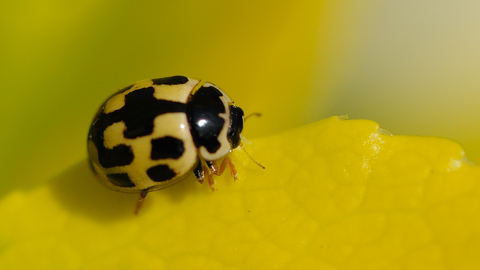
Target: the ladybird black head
(236, 126)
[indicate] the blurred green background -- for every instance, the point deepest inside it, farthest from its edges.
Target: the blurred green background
(412, 66)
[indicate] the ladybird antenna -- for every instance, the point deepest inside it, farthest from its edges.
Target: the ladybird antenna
(243, 147)
(252, 114)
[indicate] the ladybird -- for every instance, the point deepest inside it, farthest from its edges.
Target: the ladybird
(154, 133)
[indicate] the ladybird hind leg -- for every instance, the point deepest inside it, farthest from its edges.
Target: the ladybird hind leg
(212, 165)
(141, 198)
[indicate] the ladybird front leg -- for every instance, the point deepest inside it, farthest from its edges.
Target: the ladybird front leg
(199, 172)
(211, 181)
(212, 165)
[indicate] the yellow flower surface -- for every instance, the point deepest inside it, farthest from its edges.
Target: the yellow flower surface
(335, 194)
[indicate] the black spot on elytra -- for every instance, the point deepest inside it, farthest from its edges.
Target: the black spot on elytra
(203, 111)
(138, 114)
(161, 173)
(171, 80)
(119, 155)
(167, 147)
(140, 109)
(120, 180)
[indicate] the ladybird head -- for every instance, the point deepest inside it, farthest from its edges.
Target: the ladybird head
(236, 126)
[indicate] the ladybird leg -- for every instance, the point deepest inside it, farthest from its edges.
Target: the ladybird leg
(210, 178)
(142, 196)
(212, 165)
(233, 172)
(199, 172)
(219, 171)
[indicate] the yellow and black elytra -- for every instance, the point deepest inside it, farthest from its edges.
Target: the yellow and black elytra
(153, 133)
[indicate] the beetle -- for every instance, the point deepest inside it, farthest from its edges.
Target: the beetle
(154, 133)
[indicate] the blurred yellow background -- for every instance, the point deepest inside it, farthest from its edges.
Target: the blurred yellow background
(412, 66)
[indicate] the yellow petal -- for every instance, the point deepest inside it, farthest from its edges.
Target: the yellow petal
(336, 194)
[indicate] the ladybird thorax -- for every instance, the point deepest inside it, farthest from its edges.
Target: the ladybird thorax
(213, 129)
